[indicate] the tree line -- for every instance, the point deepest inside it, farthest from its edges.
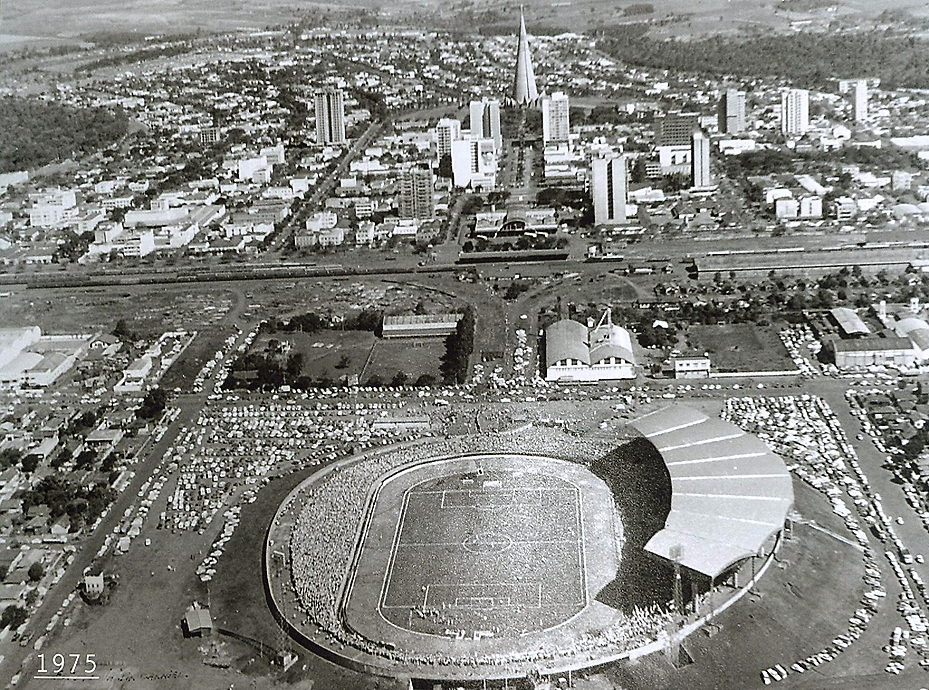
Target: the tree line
(807, 59)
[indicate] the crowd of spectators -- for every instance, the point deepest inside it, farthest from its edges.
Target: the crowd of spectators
(327, 517)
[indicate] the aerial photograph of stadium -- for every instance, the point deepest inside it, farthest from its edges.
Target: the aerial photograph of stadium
(464, 345)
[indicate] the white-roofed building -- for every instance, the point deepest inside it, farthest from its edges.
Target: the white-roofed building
(730, 495)
(574, 352)
(917, 331)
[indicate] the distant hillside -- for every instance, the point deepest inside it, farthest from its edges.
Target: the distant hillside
(809, 59)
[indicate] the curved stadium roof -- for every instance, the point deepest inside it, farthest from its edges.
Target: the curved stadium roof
(729, 492)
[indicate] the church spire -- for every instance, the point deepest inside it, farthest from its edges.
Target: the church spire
(524, 88)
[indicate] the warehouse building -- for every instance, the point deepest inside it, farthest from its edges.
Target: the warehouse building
(575, 352)
(873, 350)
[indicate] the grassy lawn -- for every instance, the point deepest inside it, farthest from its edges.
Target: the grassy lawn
(739, 347)
(412, 358)
(334, 354)
(323, 352)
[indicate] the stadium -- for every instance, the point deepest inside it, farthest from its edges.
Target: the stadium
(532, 551)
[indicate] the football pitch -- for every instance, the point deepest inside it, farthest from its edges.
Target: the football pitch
(486, 553)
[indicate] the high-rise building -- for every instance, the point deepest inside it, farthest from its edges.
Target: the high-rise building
(330, 116)
(416, 199)
(608, 189)
(524, 88)
(446, 131)
(795, 111)
(732, 112)
(485, 121)
(556, 124)
(700, 160)
(474, 163)
(674, 129)
(861, 100)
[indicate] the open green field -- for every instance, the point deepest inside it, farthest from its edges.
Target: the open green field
(326, 354)
(336, 354)
(739, 347)
(414, 359)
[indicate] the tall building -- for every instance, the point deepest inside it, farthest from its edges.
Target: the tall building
(416, 199)
(861, 100)
(485, 121)
(474, 163)
(732, 112)
(608, 189)
(556, 125)
(795, 111)
(446, 131)
(330, 116)
(674, 129)
(700, 160)
(524, 88)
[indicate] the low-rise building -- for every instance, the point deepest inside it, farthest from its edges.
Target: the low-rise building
(577, 353)
(691, 367)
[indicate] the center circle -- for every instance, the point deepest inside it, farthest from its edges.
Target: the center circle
(488, 542)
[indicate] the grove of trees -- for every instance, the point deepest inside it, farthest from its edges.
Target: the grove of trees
(809, 59)
(34, 133)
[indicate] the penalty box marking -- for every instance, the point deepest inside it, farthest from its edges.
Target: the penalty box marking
(509, 590)
(516, 496)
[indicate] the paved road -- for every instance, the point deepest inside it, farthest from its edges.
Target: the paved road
(87, 550)
(911, 532)
(322, 189)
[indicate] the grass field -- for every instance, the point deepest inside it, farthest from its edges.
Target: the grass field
(499, 552)
(739, 347)
(413, 358)
(326, 354)
(337, 354)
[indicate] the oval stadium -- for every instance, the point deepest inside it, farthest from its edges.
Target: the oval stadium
(531, 551)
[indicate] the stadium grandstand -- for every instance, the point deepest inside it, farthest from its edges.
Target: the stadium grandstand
(730, 494)
(420, 325)
(574, 352)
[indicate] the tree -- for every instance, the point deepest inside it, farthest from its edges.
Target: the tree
(399, 379)
(30, 463)
(13, 617)
(426, 380)
(85, 460)
(123, 332)
(154, 403)
(10, 456)
(36, 571)
(374, 381)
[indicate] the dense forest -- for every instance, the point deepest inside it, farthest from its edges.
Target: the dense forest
(805, 58)
(34, 133)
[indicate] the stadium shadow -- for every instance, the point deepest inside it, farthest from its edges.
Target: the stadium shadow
(636, 474)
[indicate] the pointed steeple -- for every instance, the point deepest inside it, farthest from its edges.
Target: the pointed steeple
(524, 89)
